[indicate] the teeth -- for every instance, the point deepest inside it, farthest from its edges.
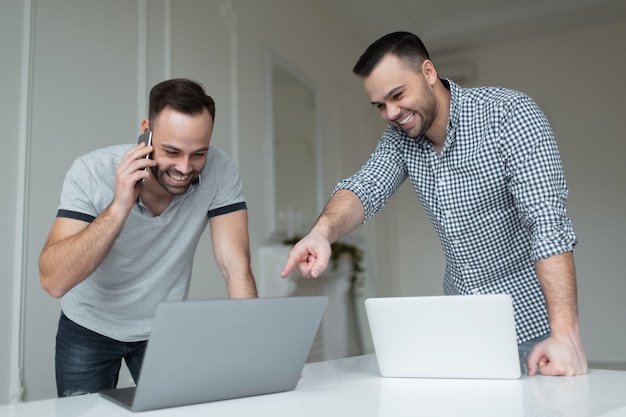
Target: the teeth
(406, 120)
(179, 177)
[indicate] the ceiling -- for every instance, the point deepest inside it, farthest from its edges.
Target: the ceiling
(451, 25)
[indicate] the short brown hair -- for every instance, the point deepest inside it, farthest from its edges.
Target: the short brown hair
(407, 47)
(181, 94)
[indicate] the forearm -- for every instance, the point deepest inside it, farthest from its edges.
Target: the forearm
(237, 273)
(67, 260)
(241, 284)
(562, 353)
(343, 213)
(558, 280)
(231, 246)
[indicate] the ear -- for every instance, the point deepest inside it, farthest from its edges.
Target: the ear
(145, 125)
(429, 71)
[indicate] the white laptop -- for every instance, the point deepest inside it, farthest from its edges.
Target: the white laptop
(201, 351)
(460, 336)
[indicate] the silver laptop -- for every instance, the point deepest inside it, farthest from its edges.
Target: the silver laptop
(460, 336)
(201, 351)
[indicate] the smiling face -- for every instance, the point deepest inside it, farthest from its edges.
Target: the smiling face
(181, 143)
(404, 97)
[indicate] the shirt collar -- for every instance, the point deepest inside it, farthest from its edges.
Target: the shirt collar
(455, 103)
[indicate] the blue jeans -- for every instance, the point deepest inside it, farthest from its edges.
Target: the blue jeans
(88, 362)
(524, 350)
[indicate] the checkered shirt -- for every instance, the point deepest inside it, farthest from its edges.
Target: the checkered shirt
(496, 195)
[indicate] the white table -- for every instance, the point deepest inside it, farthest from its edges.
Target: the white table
(353, 387)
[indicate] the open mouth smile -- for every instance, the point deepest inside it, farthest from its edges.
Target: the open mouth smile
(407, 119)
(178, 177)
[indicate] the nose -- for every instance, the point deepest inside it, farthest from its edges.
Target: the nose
(392, 112)
(183, 164)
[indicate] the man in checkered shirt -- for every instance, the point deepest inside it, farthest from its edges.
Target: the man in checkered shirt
(485, 165)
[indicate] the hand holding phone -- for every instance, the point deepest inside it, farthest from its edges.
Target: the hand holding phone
(146, 138)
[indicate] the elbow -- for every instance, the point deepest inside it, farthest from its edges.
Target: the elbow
(56, 294)
(47, 284)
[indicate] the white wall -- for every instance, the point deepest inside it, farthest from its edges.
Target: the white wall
(93, 62)
(10, 68)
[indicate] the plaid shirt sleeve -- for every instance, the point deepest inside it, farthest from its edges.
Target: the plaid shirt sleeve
(381, 176)
(537, 181)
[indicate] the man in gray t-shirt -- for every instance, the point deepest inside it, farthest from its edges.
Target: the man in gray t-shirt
(126, 232)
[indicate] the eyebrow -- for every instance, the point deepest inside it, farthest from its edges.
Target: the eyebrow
(390, 93)
(174, 148)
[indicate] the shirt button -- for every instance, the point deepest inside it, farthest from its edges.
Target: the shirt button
(448, 213)
(475, 291)
(442, 183)
(456, 241)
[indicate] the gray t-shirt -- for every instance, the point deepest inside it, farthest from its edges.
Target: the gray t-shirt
(152, 259)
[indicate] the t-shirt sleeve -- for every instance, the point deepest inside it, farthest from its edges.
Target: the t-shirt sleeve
(76, 202)
(229, 190)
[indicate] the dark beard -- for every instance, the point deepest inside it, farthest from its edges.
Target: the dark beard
(172, 190)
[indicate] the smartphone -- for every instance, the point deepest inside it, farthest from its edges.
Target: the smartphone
(147, 139)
